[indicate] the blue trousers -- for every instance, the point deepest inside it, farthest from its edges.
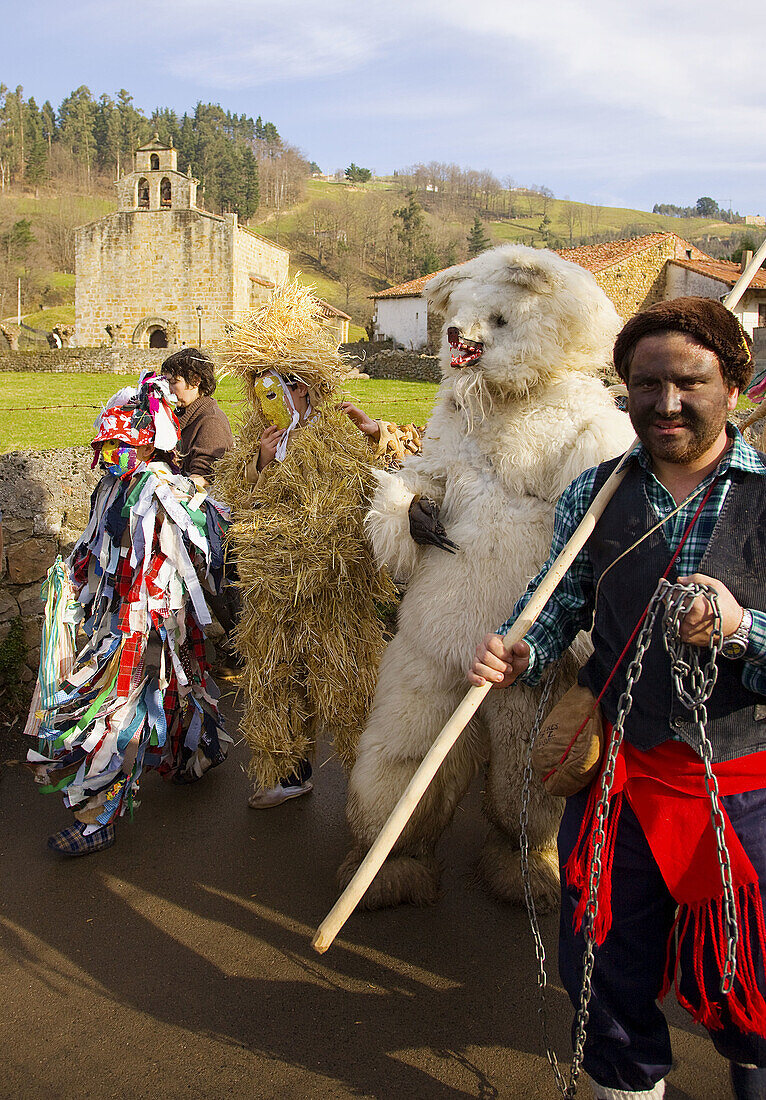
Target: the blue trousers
(628, 1042)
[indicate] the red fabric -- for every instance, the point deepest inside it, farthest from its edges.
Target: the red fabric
(131, 658)
(666, 791)
(116, 423)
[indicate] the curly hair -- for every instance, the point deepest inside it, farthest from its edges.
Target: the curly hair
(194, 366)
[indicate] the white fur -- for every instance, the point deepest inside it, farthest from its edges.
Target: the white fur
(507, 435)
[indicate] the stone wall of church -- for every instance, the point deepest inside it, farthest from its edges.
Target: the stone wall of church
(255, 256)
(163, 263)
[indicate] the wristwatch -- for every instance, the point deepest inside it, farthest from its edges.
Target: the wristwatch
(735, 645)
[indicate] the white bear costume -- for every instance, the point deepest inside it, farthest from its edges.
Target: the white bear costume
(509, 431)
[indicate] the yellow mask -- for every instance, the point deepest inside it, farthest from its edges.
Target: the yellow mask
(272, 399)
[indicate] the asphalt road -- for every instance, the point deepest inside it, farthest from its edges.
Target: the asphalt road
(179, 963)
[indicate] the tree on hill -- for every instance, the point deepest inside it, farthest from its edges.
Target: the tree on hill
(414, 236)
(477, 239)
(355, 174)
(706, 207)
(746, 243)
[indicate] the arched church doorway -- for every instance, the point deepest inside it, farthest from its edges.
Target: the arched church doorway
(158, 338)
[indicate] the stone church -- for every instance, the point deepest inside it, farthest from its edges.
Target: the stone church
(161, 271)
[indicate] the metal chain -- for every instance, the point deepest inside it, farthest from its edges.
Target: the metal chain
(685, 664)
(542, 978)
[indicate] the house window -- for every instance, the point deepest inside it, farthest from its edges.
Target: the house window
(154, 162)
(165, 192)
(761, 314)
(143, 193)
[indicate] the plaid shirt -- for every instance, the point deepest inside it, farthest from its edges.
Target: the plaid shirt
(570, 608)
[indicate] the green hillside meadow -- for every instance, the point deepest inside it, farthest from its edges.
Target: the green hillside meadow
(27, 419)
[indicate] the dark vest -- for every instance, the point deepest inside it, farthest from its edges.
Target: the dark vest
(735, 554)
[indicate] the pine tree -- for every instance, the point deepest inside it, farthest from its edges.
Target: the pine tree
(477, 239)
(37, 151)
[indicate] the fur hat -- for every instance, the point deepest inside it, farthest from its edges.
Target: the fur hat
(706, 320)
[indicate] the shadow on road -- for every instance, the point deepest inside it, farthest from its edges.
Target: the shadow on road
(179, 961)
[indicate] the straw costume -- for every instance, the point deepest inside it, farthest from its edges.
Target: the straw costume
(130, 690)
(309, 633)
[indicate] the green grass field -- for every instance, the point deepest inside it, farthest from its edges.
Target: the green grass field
(77, 399)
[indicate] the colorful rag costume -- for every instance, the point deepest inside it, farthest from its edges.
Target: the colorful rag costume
(124, 681)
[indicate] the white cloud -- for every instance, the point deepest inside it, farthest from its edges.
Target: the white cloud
(684, 63)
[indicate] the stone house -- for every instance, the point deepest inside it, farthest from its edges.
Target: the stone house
(633, 273)
(336, 321)
(161, 270)
(401, 314)
(710, 278)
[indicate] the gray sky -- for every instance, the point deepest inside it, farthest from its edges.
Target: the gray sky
(619, 102)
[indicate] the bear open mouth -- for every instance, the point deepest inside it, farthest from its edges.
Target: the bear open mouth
(464, 351)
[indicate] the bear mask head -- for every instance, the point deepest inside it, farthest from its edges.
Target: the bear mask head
(518, 317)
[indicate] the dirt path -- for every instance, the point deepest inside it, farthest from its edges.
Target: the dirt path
(178, 963)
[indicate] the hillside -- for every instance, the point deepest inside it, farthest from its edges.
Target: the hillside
(346, 241)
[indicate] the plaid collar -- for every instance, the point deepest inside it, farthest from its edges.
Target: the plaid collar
(740, 456)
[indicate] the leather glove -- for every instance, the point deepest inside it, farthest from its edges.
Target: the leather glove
(425, 527)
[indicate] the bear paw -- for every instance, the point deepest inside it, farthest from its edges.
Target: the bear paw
(500, 868)
(402, 880)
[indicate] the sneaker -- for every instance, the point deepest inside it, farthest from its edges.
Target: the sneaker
(229, 670)
(275, 796)
(72, 841)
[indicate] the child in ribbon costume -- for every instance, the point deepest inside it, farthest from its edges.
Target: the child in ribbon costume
(132, 691)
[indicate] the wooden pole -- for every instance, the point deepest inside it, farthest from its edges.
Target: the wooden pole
(757, 414)
(405, 807)
(746, 278)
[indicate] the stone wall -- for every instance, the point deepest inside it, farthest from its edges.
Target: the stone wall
(255, 256)
(45, 501)
(639, 281)
(162, 264)
(154, 263)
(409, 366)
(85, 360)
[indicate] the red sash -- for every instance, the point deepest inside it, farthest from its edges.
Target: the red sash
(666, 790)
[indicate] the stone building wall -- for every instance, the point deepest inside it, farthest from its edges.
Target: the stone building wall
(136, 264)
(640, 280)
(45, 502)
(637, 281)
(255, 256)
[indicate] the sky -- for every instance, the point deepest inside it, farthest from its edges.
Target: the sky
(613, 102)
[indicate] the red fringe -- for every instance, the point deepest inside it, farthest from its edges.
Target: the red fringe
(704, 921)
(578, 865)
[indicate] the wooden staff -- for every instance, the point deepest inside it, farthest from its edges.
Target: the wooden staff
(405, 807)
(757, 414)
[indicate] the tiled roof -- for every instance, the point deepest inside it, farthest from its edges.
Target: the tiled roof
(413, 289)
(723, 271)
(332, 311)
(155, 143)
(593, 257)
(596, 257)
